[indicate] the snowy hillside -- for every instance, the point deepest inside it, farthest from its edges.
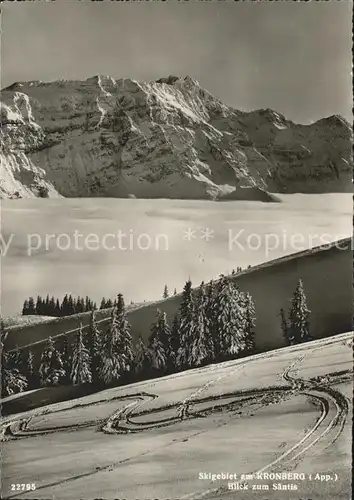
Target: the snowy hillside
(286, 411)
(168, 138)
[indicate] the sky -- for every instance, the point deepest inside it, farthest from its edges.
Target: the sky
(293, 57)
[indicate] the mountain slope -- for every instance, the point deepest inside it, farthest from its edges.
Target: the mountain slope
(169, 138)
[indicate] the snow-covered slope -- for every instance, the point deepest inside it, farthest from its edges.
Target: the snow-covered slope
(168, 138)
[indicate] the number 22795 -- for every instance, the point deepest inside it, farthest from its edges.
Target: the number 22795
(23, 487)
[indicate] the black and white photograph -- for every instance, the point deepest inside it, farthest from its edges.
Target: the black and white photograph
(176, 242)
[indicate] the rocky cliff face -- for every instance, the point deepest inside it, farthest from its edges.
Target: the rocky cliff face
(169, 138)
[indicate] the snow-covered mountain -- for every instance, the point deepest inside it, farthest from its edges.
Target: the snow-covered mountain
(168, 138)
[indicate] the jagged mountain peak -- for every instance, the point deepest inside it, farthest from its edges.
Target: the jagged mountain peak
(334, 120)
(165, 138)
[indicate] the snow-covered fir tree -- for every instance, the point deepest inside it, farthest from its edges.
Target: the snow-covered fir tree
(12, 381)
(125, 343)
(186, 314)
(67, 361)
(285, 327)
(299, 316)
(200, 351)
(210, 317)
(81, 362)
(142, 360)
(165, 292)
(51, 369)
(250, 323)
(31, 372)
(112, 361)
(95, 346)
(175, 337)
(156, 346)
(229, 321)
(160, 343)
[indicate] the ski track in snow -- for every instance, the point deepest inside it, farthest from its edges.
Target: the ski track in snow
(329, 425)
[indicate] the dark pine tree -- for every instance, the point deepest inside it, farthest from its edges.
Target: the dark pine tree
(12, 381)
(175, 291)
(67, 362)
(47, 306)
(109, 303)
(165, 292)
(103, 303)
(52, 307)
(285, 327)
(125, 343)
(39, 305)
(65, 306)
(113, 363)
(186, 314)
(25, 308)
(250, 323)
(200, 346)
(160, 344)
(31, 372)
(210, 317)
(31, 306)
(71, 305)
(57, 308)
(95, 346)
(156, 348)
(228, 321)
(81, 363)
(142, 361)
(175, 337)
(51, 369)
(299, 316)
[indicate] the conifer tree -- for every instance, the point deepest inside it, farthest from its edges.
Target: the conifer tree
(12, 381)
(160, 344)
(156, 347)
(142, 360)
(47, 306)
(57, 308)
(52, 306)
(31, 306)
(285, 327)
(32, 378)
(51, 368)
(250, 323)
(125, 343)
(71, 305)
(299, 316)
(25, 308)
(165, 292)
(210, 317)
(80, 369)
(81, 304)
(109, 303)
(103, 303)
(113, 363)
(67, 362)
(175, 291)
(200, 345)
(186, 314)
(95, 345)
(229, 321)
(65, 306)
(39, 305)
(175, 337)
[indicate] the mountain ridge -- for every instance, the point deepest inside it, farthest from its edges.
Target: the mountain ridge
(167, 138)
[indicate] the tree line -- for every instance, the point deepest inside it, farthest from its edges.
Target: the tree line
(214, 323)
(69, 305)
